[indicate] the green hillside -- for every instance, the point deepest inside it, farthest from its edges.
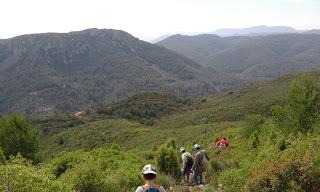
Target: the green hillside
(104, 148)
(157, 116)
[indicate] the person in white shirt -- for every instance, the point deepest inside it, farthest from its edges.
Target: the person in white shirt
(149, 175)
(187, 162)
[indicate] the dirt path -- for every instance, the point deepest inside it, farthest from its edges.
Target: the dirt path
(200, 188)
(78, 114)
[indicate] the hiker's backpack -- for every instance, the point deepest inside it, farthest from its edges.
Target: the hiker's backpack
(189, 160)
(153, 188)
(205, 160)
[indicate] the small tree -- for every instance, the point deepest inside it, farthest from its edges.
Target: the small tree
(300, 110)
(253, 123)
(253, 140)
(17, 136)
(2, 158)
(167, 160)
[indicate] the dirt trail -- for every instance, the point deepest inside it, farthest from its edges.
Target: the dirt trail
(200, 188)
(78, 114)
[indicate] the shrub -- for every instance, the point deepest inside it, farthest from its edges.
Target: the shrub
(232, 180)
(283, 174)
(128, 180)
(20, 176)
(167, 159)
(253, 140)
(214, 168)
(2, 158)
(316, 165)
(17, 136)
(89, 178)
(253, 124)
(300, 110)
(166, 181)
(283, 143)
(62, 163)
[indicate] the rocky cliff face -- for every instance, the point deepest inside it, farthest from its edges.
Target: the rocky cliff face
(46, 73)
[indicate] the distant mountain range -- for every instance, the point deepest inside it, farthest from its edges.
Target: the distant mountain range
(53, 72)
(254, 31)
(261, 30)
(252, 58)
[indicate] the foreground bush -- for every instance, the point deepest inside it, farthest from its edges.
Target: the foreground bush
(290, 171)
(19, 175)
(100, 170)
(17, 136)
(168, 160)
(301, 108)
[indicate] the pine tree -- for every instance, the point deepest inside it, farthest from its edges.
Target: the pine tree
(301, 107)
(17, 136)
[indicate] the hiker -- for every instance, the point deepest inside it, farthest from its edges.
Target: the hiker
(149, 175)
(200, 164)
(187, 162)
(222, 143)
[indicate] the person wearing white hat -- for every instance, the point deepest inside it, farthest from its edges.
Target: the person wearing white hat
(187, 162)
(149, 175)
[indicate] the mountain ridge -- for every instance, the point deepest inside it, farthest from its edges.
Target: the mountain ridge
(255, 58)
(52, 72)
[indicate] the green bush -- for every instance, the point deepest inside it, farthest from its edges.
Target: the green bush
(166, 181)
(104, 169)
(316, 165)
(2, 158)
(168, 159)
(301, 107)
(17, 136)
(89, 178)
(284, 174)
(232, 180)
(20, 176)
(253, 124)
(128, 180)
(283, 143)
(63, 162)
(253, 141)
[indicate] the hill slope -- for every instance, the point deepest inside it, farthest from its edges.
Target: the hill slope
(46, 73)
(191, 121)
(253, 58)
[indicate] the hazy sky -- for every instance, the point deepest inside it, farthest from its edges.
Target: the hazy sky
(148, 19)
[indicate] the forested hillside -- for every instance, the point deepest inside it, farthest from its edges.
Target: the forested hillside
(253, 58)
(59, 72)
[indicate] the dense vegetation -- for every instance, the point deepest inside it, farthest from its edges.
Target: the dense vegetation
(105, 151)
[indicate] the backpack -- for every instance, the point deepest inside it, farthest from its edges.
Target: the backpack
(189, 161)
(205, 160)
(153, 188)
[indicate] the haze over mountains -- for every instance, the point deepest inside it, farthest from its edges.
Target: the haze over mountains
(261, 30)
(45, 73)
(253, 31)
(253, 58)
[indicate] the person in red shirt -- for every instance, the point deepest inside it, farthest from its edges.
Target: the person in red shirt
(222, 143)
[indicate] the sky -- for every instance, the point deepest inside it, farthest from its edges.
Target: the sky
(149, 19)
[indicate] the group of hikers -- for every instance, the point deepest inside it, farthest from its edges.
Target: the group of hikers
(196, 165)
